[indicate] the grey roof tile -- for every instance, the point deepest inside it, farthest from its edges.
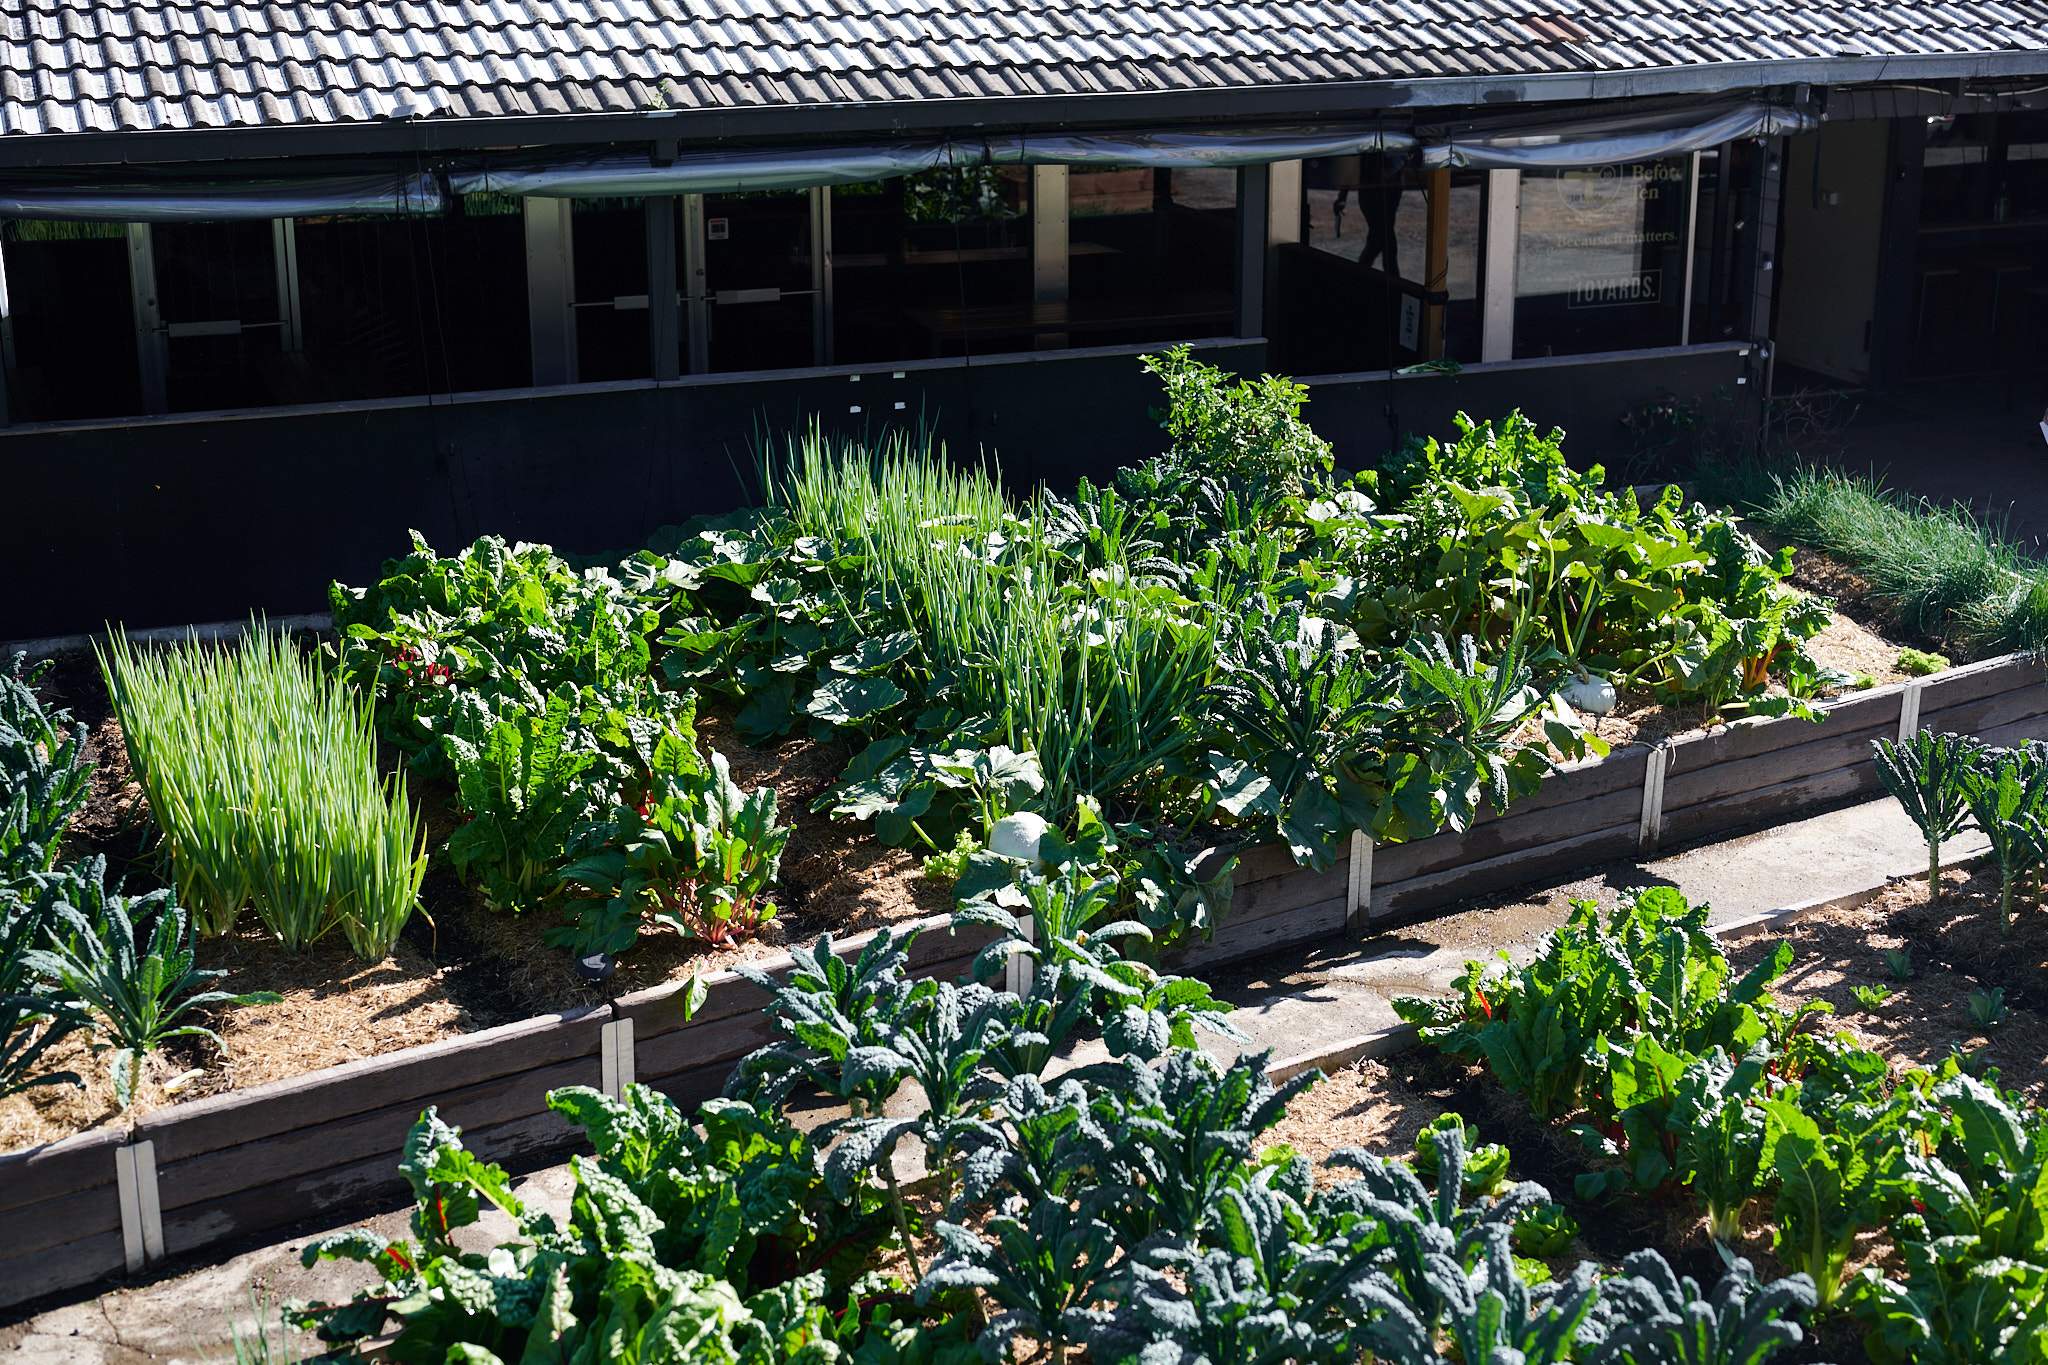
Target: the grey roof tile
(111, 65)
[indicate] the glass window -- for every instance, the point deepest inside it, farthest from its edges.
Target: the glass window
(934, 264)
(220, 315)
(391, 307)
(68, 300)
(608, 241)
(1358, 290)
(1152, 254)
(1956, 169)
(1367, 209)
(759, 287)
(1601, 261)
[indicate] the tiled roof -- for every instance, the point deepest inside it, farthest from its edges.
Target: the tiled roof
(69, 66)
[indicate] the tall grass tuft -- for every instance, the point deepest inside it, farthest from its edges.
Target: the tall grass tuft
(261, 771)
(1947, 573)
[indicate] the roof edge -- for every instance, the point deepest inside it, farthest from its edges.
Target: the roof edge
(703, 126)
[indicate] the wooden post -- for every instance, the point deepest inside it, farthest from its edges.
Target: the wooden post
(1436, 255)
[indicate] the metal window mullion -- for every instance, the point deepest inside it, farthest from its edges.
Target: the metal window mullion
(550, 291)
(150, 342)
(696, 303)
(1253, 198)
(284, 251)
(6, 340)
(1501, 249)
(1692, 227)
(821, 276)
(1051, 242)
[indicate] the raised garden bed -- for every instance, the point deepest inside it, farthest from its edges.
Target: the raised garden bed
(1384, 1102)
(250, 1163)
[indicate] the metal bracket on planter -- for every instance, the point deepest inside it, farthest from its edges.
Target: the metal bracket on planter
(1909, 709)
(1358, 893)
(615, 1057)
(1653, 797)
(142, 1218)
(1018, 968)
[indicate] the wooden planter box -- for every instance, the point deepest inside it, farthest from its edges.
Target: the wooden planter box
(310, 1151)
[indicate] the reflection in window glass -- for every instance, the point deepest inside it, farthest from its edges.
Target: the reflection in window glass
(1601, 261)
(392, 307)
(934, 264)
(69, 333)
(1151, 254)
(1956, 169)
(608, 244)
(1355, 294)
(1367, 209)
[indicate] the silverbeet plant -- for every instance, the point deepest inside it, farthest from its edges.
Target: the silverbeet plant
(138, 988)
(2007, 794)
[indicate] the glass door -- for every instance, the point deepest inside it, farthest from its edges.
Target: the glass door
(753, 302)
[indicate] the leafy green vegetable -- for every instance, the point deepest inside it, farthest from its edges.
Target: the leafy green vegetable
(522, 785)
(137, 989)
(1927, 775)
(44, 775)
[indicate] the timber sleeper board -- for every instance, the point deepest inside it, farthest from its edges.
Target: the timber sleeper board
(54, 1170)
(1752, 737)
(1392, 901)
(1795, 798)
(318, 1199)
(80, 1260)
(658, 1009)
(478, 1108)
(2032, 727)
(1620, 769)
(1235, 940)
(1986, 713)
(240, 1117)
(34, 1229)
(1497, 836)
(1826, 750)
(221, 1183)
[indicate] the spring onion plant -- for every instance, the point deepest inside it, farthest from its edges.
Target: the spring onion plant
(261, 772)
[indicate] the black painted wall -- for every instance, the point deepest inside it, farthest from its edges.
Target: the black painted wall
(1364, 415)
(205, 518)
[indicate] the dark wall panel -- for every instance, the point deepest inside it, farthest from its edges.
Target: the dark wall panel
(204, 518)
(1364, 415)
